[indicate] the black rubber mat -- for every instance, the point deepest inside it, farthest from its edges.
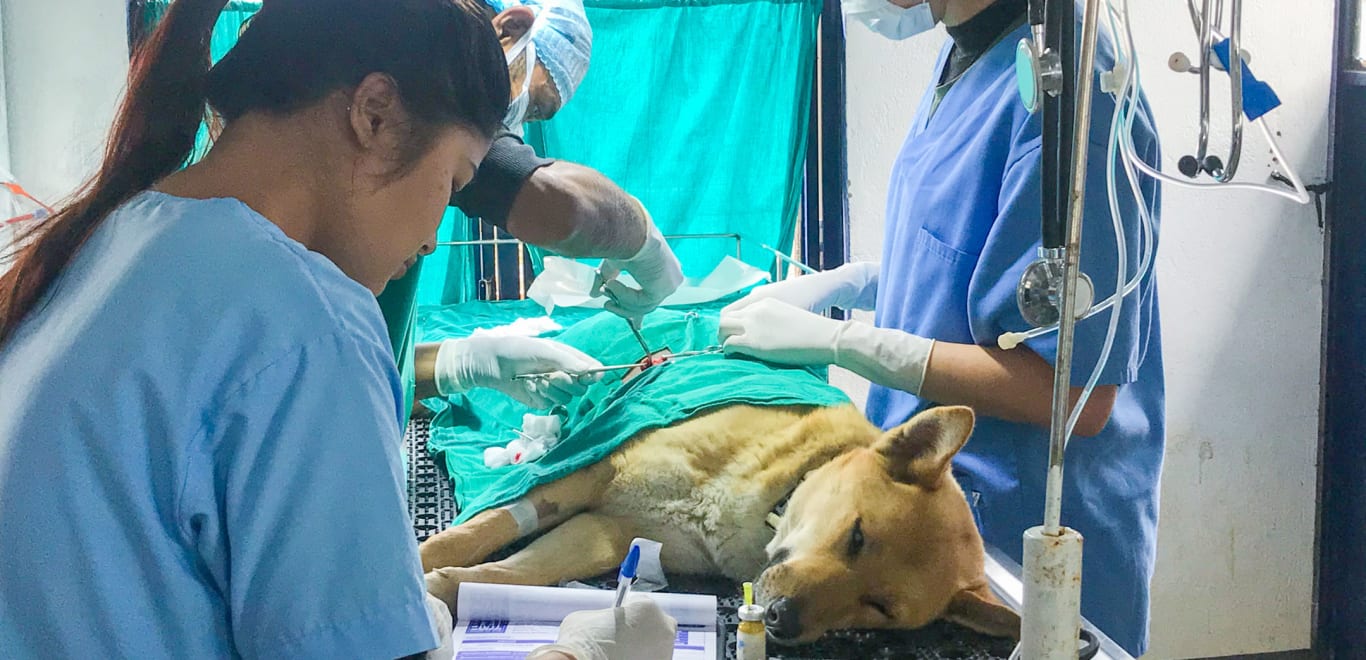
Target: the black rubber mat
(432, 504)
(431, 500)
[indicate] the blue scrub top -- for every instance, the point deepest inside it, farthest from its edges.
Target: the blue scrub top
(199, 452)
(963, 217)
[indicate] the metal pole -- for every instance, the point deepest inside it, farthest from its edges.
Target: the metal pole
(514, 241)
(834, 172)
(1062, 373)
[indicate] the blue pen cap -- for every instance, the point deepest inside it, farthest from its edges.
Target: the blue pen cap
(628, 567)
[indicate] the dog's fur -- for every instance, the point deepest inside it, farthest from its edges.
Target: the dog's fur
(877, 534)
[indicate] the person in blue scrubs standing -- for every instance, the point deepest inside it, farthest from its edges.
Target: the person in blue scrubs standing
(962, 223)
(199, 418)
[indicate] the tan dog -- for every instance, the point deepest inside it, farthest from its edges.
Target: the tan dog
(876, 533)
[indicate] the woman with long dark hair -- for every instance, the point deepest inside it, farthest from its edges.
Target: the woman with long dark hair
(199, 409)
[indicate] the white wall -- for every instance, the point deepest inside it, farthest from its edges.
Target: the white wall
(6, 211)
(65, 63)
(1240, 277)
(1241, 308)
(4, 115)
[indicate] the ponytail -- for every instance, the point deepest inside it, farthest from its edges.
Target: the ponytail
(443, 54)
(152, 136)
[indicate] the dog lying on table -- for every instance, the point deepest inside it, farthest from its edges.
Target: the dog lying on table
(844, 525)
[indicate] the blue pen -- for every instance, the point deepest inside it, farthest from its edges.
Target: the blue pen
(627, 576)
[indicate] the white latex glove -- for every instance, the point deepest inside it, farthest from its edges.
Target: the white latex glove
(638, 631)
(655, 268)
(851, 286)
(441, 618)
(775, 331)
(464, 364)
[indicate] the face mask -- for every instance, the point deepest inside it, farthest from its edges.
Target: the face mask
(517, 108)
(890, 20)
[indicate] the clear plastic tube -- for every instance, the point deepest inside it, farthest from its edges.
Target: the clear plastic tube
(1117, 122)
(1300, 194)
(1134, 165)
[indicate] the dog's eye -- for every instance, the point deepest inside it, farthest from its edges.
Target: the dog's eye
(878, 607)
(856, 538)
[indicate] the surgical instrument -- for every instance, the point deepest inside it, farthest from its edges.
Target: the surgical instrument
(647, 362)
(635, 325)
(635, 330)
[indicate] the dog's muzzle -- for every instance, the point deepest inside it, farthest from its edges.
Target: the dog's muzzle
(783, 619)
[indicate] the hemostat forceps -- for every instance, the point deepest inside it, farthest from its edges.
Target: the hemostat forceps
(635, 330)
(635, 325)
(648, 361)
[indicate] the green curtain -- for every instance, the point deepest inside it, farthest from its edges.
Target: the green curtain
(700, 109)
(697, 107)
(448, 274)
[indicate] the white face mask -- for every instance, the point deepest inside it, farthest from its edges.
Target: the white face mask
(517, 108)
(890, 20)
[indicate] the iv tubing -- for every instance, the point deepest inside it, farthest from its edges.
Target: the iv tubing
(1131, 161)
(1121, 248)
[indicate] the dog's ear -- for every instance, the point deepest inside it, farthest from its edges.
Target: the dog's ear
(976, 608)
(918, 452)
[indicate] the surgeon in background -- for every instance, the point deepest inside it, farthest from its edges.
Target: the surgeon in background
(569, 209)
(962, 223)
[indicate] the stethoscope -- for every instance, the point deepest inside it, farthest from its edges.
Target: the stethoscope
(1039, 75)
(1213, 45)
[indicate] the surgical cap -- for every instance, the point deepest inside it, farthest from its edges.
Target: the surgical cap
(563, 38)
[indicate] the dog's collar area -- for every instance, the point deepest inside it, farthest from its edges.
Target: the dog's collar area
(775, 515)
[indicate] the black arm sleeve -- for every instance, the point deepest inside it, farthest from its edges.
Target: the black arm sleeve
(507, 166)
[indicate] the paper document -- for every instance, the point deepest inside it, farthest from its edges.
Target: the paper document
(505, 622)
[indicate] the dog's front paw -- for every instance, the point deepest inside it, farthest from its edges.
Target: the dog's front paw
(444, 584)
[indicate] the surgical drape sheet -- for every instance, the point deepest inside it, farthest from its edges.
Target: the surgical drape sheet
(611, 412)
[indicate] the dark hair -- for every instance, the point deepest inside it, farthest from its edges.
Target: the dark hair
(442, 54)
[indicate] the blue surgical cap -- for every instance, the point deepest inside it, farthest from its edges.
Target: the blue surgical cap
(563, 38)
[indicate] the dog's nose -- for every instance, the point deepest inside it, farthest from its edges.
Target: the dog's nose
(782, 619)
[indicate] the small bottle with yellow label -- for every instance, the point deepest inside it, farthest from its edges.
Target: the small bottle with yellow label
(751, 638)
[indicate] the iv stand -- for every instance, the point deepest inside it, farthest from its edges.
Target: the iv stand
(1051, 620)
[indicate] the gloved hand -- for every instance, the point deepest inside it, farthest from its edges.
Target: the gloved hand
(464, 364)
(638, 631)
(851, 286)
(441, 618)
(654, 267)
(775, 331)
